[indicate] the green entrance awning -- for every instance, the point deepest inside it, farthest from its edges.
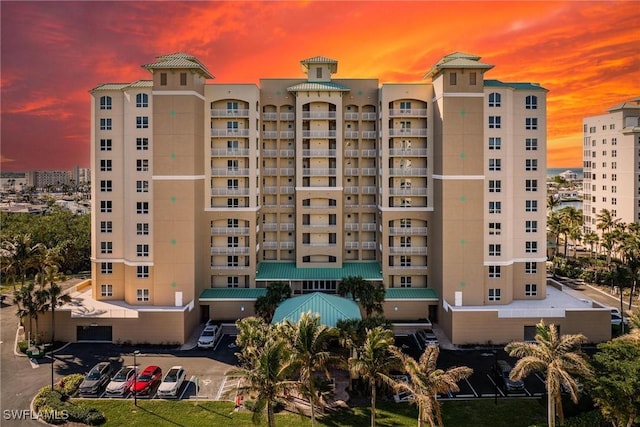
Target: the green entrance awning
(284, 271)
(408, 294)
(330, 308)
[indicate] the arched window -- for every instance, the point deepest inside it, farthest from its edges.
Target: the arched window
(105, 103)
(531, 102)
(142, 100)
(495, 99)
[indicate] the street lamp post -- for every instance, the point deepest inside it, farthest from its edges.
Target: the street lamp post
(135, 378)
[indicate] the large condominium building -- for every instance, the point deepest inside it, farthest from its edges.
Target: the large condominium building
(611, 161)
(205, 193)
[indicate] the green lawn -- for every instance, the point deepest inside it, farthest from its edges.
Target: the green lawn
(479, 413)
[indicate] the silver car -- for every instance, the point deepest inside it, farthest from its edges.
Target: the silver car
(122, 381)
(172, 382)
(96, 379)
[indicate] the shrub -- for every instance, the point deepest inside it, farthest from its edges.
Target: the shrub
(23, 346)
(47, 398)
(70, 384)
(95, 417)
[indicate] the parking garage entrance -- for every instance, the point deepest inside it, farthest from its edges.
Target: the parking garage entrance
(94, 333)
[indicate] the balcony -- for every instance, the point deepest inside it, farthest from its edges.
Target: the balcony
(352, 245)
(360, 205)
(230, 231)
(230, 152)
(408, 152)
(369, 226)
(369, 116)
(352, 226)
(269, 245)
(408, 191)
(397, 250)
(230, 132)
(408, 231)
(318, 225)
(318, 153)
(361, 171)
(229, 191)
(351, 116)
(319, 207)
(361, 190)
(229, 113)
(278, 190)
(319, 114)
(269, 116)
(369, 134)
(408, 112)
(229, 172)
(408, 132)
(229, 251)
(229, 267)
(319, 172)
(351, 134)
(407, 267)
(408, 172)
(287, 153)
(318, 133)
(369, 245)
(269, 153)
(270, 134)
(319, 244)
(287, 245)
(287, 116)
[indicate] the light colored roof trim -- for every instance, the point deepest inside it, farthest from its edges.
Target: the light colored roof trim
(319, 60)
(232, 294)
(179, 60)
(457, 60)
(123, 86)
(515, 85)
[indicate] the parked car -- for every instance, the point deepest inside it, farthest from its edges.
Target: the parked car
(426, 337)
(147, 380)
(122, 381)
(170, 385)
(616, 319)
(503, 370)
(209, 336)
(96, 379)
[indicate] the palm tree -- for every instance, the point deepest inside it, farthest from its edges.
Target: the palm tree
(252, 335)
(31, 302)
(605, 221)
(552, 202)
(556, 356)
(309, 342)
(20, 256)
(351, 286)
(373, 362)
(590, 238)
(426, 381)
(54, 294)
(267, 380)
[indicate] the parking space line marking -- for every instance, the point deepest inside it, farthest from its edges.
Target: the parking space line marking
(495, 385)
(471, 387)
(34, 363)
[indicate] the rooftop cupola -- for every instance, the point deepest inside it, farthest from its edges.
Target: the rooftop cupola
(319, 68)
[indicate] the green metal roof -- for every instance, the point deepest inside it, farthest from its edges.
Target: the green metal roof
(318, 86)
(331, 308)
(516, 86)
(275, 270)
(411, 294)
(235, 294)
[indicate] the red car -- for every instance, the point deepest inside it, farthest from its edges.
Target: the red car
(147, 380)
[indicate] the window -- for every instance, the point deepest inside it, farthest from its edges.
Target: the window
(495, 122)
(531, 123)
(106, 268)
(233, 282)
(105, 145)
(106, 227)
(453, 79)
(142, 100)
(142, 165)
(531, 102)
(142, 122)
(614, 153)
(105, 165)
(494, 294)
(405, 106)
(495, 99)
(142, 186)
(495, 228)
(530, 290)
(232, 223)
(106, 290)
(531, 185)
(163, 79)
(495, 143)
(405, 241)
(531, 206)
(332, 239)
(495, 249)
(232, 127)
(531, 247)
(472, 78)
(405, 261)
(105, 103)
(614, 141)
(494, 271)
(183, 79)
(495, 186)
(405, 281)
(106, 247)
(142, 272)
(106, 186)
(232, 145)
(405, 223)
(232, 165)
(142, 229)
(530, 267)
(495, 164)
(233, 203)
(495, 207)
(142, 208)
(142, 295)
(232, 261)
(232, 241)
(142, 144)
(142, 250)
(105, 124)
(531, 164)
(531, 144)
(106, 206)
(232, 184)
(531, 226)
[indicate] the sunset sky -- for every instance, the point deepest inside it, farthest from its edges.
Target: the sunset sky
(52, 53)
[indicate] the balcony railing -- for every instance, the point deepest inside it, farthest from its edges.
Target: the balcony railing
(231, 152)
(369, 226)
(319, 114)
(408, 231)
(270, 134)
(230, 231)
(318, 153)
(269, 116)
(229, 113)
(269, 153)
(397, 250)
(408, 112)
(369, 116)
(351, 134)
(352, 226)
(318, 133)
(361, 190)
(409, 152)
(319, 207)
(287, 153)
(408, 171)
(278, 190)
(405, 267)
(229, 191)
(408, 191)
(369, 134)
(408, 132)
(269, 245)
(229, 267)
(229, 172)
(369, 245)
(318, 225)
(230, 251)
(319, 172)
(351, 245)
(230, 132)
(319, 244)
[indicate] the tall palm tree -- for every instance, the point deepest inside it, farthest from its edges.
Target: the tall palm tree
(556, 356)
(309, 342)
(31, 302)
(252, 335)
(426, 381)
(21, 256)
(552, 202)
(53, 294)
(630, 248)
(373, 362)
(605, 221)
(591, 238)
(267, 379)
